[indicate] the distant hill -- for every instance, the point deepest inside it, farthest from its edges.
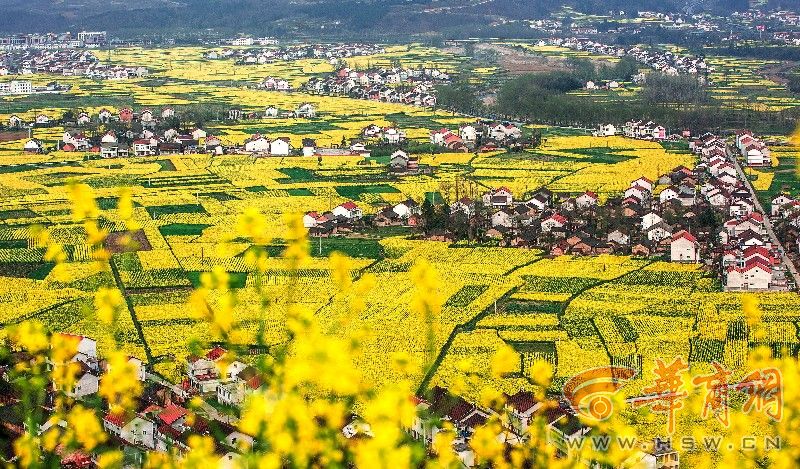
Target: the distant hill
(306, 17)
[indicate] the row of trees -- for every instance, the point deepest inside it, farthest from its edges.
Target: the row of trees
(676, 102)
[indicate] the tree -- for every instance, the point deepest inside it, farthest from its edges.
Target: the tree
(794, 82)
(428, 216)
(683, 89)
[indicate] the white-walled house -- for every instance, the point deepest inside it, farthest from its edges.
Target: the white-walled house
(553, 221)
(684, 247)
(587, 199)
(86, 384)
(779, 202)
(501, 197)
(468, 133)
(348, 210)
(503, 218)
(139, 431)
(407, 208)
(668, 194)
(32, 146)
(754, 275)
(310, 219)
(257, 144)
(650, 219)
(280, 147)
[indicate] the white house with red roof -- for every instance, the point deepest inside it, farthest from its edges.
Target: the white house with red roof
(753, 275)
(174, 416)
(643, 182)
(310, 219)
(133, 429)
(348, 210)
(257, 144)
(684, 247)
(778, 202)
(281, 146)
(521, 407)
(668, 194)
(758, 253)
(438, 137)
(203, 371)
(640, 192)
(113, 423)
(587, 199)
(555, 220)
(499, 198)
(109, 137)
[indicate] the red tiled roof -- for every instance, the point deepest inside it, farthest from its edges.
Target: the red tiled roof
(349, 205)
(522, 401)
(215, 353)
(172, 413)
(684, 234)
(114, 419)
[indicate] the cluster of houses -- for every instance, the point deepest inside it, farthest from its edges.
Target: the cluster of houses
(161, 422)
(146, 143)
(749, 260)
(393, 85)
(390, 135)
(340, 220)
(785, 210)
(66, 62)
(752, 149)
(640, 130)
(303, 111)
(146, 117)
(521, 411)
(53, 41)
(667, 217)
(331, 52)
(661, 60)
(23, 87)
(480, 135)
(275, 84)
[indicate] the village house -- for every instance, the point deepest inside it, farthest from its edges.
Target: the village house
(754, 275)
(33, 146)
(586, 200)
(306, 110)
(125, 115)
(281, 146)
(257, 144)
(348, 210)
(552, 222)
(203, 372)
(104, 116)
(464, 205)
(684, 247)
(498, 198)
